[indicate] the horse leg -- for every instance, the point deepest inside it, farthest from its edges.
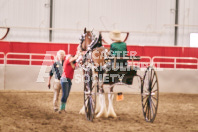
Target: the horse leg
(103, 109)
(111, 112)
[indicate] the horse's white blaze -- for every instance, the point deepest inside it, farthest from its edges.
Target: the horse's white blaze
(103, 109)
(111, 112)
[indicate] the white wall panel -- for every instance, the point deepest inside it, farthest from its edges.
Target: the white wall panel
(69, 14)
(25, 13)
(124, 15)
(188, 15)
(183, 81)
(145, 16)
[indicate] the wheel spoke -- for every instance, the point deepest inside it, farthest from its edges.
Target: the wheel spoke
(88, 112)
(148, 110)
(146, 91)
(153, 103)
(145, 103)
(154, 91)
(153, 97)
(154, 84)
(149, 77)
(145, 97)
(151, 107)
(152, 75)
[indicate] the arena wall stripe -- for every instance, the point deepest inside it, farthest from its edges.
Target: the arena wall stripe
(31, 47)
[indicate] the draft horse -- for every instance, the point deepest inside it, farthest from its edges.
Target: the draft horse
(93, 76)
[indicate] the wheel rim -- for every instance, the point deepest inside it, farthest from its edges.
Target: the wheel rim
(150, 94)
(89, 98)
(89, 109)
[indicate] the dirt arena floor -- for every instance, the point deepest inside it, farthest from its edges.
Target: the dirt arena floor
(28, 111)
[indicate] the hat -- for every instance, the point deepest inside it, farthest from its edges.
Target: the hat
(59, 53)
(116, 36)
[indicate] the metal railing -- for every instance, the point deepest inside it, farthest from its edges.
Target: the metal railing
(175, 62)
(172, 61)
(142, 63)
(3, 58)
(30, 57)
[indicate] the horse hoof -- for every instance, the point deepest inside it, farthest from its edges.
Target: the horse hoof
(82, 111)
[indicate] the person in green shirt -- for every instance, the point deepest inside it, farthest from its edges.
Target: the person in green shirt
(118, 48)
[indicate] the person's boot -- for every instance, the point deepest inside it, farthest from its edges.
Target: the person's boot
(62, 107)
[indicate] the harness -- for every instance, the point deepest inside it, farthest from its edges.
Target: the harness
(82, 39)
(95, 43)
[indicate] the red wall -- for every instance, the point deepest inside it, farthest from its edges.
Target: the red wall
(31, 47)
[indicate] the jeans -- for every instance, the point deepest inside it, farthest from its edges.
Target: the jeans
(57, 88)
(66, 86)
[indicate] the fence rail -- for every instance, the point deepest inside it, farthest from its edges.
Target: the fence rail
(174, 62)
(30, 57)
(2, 58)
(147, 61)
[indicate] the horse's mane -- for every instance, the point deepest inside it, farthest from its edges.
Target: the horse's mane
(99, 41)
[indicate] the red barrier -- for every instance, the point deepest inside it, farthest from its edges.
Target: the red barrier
(72, 48)
(43, 48)
(30, 47)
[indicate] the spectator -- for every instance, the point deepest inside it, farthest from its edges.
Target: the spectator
(57, 68)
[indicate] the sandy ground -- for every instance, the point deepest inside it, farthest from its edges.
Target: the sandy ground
(27, 111)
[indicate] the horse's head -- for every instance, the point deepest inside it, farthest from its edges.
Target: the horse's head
(86, 39)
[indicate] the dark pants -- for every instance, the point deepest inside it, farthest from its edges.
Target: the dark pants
(66, 86)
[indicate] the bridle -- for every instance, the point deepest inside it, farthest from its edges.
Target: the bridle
(95, 42)
(82, 39)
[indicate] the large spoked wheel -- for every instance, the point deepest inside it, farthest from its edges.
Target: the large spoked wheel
(89, 96)
(150, 94)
